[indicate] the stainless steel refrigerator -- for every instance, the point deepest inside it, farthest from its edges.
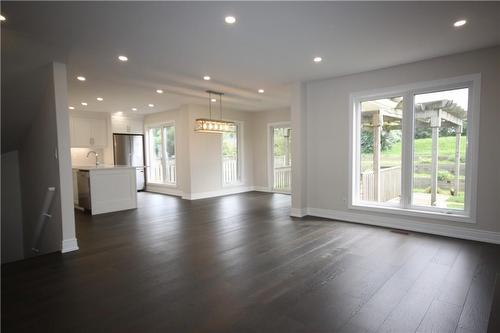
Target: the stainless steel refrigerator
(128, 150)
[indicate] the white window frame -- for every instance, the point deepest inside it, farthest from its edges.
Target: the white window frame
(405, 207)
(239, 157)
(148, 154)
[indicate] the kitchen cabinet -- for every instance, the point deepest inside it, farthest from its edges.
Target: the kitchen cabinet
(88, 132)
(127, 125)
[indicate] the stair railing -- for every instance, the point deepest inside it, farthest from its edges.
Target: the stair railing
(42, 219)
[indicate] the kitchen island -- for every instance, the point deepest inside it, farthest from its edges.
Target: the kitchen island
(105, 188)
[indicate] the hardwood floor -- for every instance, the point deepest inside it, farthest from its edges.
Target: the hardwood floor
(241, 264)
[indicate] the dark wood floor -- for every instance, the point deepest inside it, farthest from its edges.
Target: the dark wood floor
(240, 264)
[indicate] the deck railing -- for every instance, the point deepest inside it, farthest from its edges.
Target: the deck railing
(230, 170)
(157, 174)
(390, 184)
(283, 179)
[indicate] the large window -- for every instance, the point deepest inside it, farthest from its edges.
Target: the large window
(413, 149)
(161, 154)
(231, 160)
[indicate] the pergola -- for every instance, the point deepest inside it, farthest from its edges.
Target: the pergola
(388, 113)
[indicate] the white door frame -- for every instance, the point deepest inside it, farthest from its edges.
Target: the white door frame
(270, 153)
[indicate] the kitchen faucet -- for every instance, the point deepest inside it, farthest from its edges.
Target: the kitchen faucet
(96, 157)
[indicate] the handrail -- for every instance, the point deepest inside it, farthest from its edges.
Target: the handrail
(44, 215)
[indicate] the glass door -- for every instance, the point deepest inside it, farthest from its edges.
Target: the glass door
(281, 159)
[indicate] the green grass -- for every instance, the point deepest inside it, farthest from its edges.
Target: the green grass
(424, 147)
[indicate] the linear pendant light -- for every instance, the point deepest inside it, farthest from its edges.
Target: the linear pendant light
(204, 125)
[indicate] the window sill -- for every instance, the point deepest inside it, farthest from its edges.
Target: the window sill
(413, 212)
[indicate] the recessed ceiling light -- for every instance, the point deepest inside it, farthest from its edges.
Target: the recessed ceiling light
(119, 113)
(134, 109)
(100, 99)
(206, 78)
(261, 91)
(2, 18)
(151, 105)
(213, 100)
(81, 78)
(230, 19)
(122, 58)
(71, 107)
(84, 103)
(317, 59)
(159, 91)
(459, 23)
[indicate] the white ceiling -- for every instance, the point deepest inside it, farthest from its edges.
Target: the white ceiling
(171, 45)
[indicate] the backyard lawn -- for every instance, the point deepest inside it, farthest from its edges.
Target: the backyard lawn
(422, 162)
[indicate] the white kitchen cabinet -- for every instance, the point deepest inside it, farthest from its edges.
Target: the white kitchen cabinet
(127, 125)
(88, 132)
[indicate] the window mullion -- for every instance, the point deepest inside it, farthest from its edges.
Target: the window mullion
(407, 151)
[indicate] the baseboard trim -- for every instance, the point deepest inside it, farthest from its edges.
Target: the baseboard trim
(69, 245)
(405, 224)
(219, 193)
(262, 189)
(164, 190)
(298, 212)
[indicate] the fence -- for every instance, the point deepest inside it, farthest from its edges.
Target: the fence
(157, 174)
(230, 170)
(390, 184)
(282, 179)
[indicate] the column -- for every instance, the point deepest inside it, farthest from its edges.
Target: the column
(299, 163)
(435, 125)
(458, 136)
(378, 120)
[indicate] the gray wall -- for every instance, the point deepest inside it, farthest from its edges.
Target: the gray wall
(45, 161)
(328, 130)
(12, 215)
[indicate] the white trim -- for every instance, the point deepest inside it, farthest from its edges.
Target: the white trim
(262, 189)
(405, 224)
(473, 82)
(212, 194)
(298, 212)
(69, 245)
(163, 189)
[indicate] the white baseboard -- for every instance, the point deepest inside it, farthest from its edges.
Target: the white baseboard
(405, 224)
(69, 245)
(212, 194)
(298, 212)
(162, 189)
(262, 189)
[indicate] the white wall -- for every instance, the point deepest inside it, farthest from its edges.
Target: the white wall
(12, 215)
(261, 149)
(327, 120)
(199, 155)
(206, 154)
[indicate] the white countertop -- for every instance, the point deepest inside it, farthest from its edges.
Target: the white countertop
(102, 167)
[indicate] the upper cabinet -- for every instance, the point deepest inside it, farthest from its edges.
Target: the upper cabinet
(88, 132)
(130, 125)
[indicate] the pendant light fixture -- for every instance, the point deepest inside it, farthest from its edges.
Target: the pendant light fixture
(204, 125)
